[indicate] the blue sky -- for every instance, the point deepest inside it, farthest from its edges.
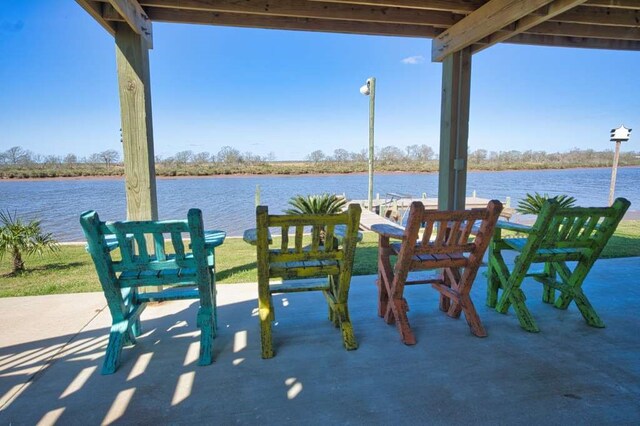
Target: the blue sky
(293, 92)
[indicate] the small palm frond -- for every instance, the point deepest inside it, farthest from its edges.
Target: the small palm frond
(316, 204)
(532, 204)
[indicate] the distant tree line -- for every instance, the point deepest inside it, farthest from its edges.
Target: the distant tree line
(480, 158)
(17, 162)
(385, 155)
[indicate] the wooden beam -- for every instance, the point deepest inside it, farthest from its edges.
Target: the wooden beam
(580, 42)
(454, 130)
(94, 8)
(307, 9)
(132, 57)
(601, 16)
(455, 6)
(618, 4)
(588, 31)
(135, 16)
(521, 25)
(286, 23)
(485, 21)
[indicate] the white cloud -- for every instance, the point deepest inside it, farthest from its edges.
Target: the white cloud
(413, 60)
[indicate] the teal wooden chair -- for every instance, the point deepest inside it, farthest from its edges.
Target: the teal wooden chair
(316, 267)
(558, 236)
(144, 261)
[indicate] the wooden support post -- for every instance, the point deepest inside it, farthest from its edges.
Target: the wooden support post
(132, 56)
(454, 130)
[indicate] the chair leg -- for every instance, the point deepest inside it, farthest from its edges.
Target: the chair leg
(266, 313)
(586, 309)
(525, 318)
(341, 311)
(207, 325)
(548, 292)
(496, 262)
(397, 312)
(472, 317)
(117, 338)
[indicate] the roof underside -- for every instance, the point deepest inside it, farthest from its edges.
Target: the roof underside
(453, 24)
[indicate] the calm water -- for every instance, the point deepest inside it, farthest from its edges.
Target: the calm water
(228, 202)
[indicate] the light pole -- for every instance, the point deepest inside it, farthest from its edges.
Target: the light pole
(369, 89)
(621, 134)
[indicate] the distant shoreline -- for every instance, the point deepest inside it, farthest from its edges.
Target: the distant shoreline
(292, 175)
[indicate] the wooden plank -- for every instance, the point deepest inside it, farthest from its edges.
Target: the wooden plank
(489, 18)
(601, 16)
(306, 9)
(454, 130)
(573, 42)
(556, 8)
(94, 8)
(134, 84)
(589, 31)
(136, 17)
(620, 4)
(288, 23)
(455, 6)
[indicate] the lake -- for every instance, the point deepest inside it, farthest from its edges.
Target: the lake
(228, 202)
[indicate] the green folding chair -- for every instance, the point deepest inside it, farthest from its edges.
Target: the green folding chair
(559, 235)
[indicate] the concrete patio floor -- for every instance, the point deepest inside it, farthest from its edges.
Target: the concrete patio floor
(51, 351)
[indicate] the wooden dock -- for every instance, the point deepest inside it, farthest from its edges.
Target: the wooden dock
(394, 205)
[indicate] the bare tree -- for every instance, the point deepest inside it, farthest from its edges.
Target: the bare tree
(16, 155)
(201, 157)
(391, 154)
(229, 155)
(70, 159)
(341, 155)
(109, 157)
(183, 157)
(316, 156)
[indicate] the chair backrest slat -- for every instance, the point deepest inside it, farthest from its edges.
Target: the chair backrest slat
(285, 238)
(159, 247)
(299, 233)
(328, 237)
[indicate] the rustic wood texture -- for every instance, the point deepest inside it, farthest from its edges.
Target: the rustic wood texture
(454, 25)
(318, 267)
(191, 274)
(454, 130)
(136, 17)
(444, 245)
(132, 56)
(484, 21)
(558, 236)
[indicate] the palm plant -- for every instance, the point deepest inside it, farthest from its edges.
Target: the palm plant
(532, 204)
(23, 239)
(316, 204)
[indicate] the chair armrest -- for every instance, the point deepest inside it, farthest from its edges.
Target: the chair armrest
(214, 238)
(388, 230)
(251, 236)
(340, 232)
(516, 227)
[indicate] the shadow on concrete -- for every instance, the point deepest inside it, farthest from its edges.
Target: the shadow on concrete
(567, 373)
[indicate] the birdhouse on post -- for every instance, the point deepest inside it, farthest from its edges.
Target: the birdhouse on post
(621, 134)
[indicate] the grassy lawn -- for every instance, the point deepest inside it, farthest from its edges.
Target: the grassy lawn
(71, 270)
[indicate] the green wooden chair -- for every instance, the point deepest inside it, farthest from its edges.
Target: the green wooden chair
(557, 237)
(316, 267)
(186, 275)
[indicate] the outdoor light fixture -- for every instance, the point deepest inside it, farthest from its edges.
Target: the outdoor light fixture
(369, 89)
(621, 134)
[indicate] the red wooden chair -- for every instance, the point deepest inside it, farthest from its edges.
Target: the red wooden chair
(452, 250)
